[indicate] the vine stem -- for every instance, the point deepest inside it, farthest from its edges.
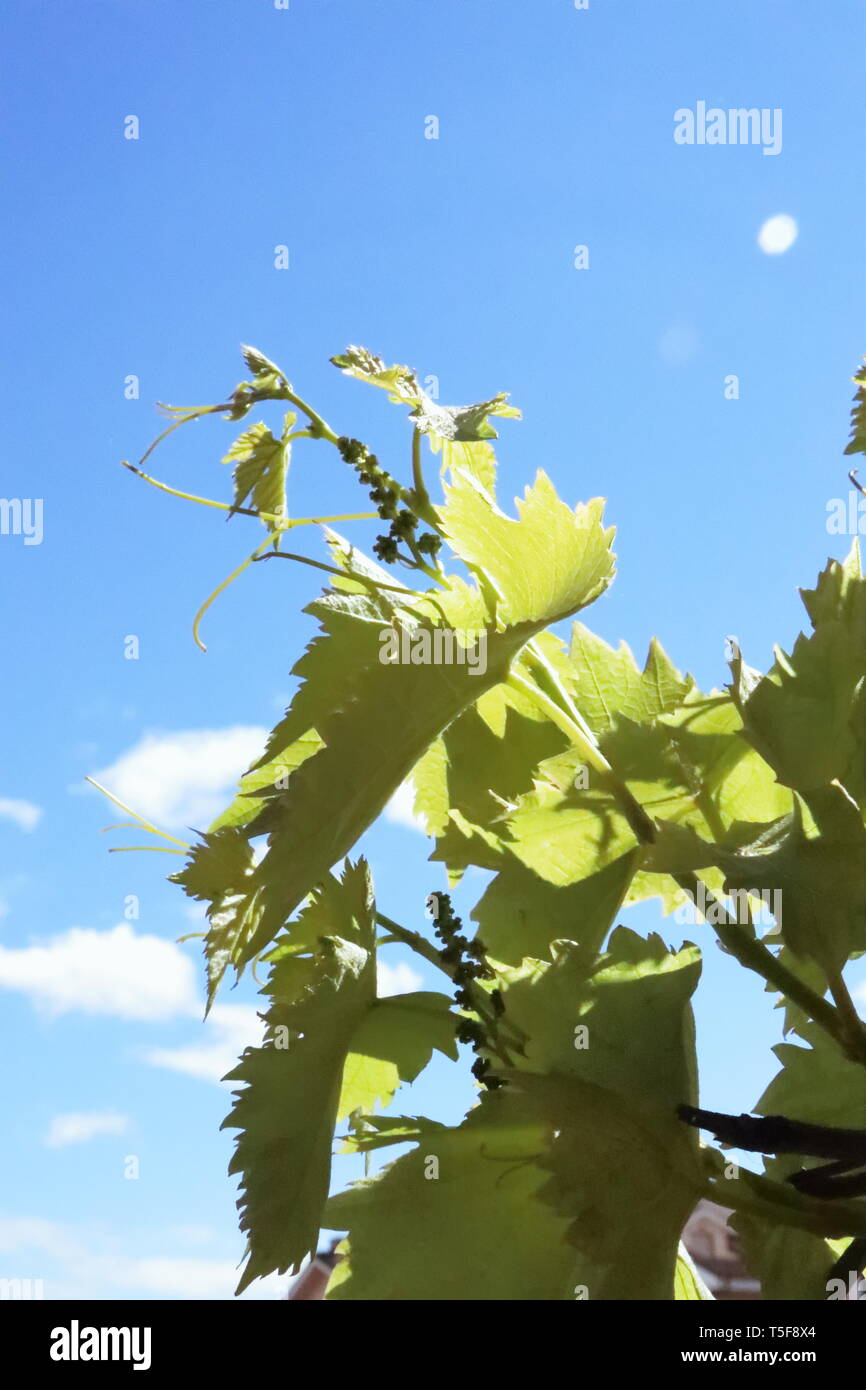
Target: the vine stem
(418, 468)
(413, 939)
(421, 497)
(320, 428)
(846, 1008)
(762, 1196)
(756, 956)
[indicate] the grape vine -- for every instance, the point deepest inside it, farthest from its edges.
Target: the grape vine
(580, 783)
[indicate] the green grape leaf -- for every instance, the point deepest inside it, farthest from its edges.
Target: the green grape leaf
(857, 443)
(520, 914)
(401, 383)
(634, 1003)
(610, 1054)
(564, 832)
(219, 871)
(491, 752)
(552, 561)
(475, 458)
(267, 778)
(466, 423)
(458, 1217)
(816, 874)
(394, 1042)
(788, 1264)
(258, 364)
(806, 716)
(218, 865)
(703, 783)
(382, 1131)
(287, 1109)
(617, 1179)
(372, 742)
(486, 758)
(376, 720)
(462, 423)
(818, 1085)
(608, 682)
(261, 466)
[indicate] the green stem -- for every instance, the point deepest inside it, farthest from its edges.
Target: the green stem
(753, 954)
(425, 948)
(418, 468)
(373, 584)
(413, 939)
(320, 429)
(851, 1021)
(421, 504)
(831, 1221)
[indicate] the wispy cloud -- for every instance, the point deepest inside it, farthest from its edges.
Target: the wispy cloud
(24, 813)
(396, 979)
(88, 1265)
(79, 1128)
(184, 779)
(400, 810)
(117, 973)
(229, 1028)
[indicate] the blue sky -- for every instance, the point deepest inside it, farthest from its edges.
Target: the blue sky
(155, 257)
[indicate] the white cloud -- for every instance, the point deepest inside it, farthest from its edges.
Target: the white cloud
(78, 1128)
(396, 979)
(778, 234)
(228, 1029)
(192, 1234)
(678, 344)
(178, 1276)
(23, 813)
(400, 809)
(116, 973)
(171, 1276)
(34, 1233)
(120, 974)
(87, 1270)
(183, 780)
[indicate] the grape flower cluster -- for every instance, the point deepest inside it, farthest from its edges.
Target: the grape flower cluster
(466, 962)
(393, 502)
